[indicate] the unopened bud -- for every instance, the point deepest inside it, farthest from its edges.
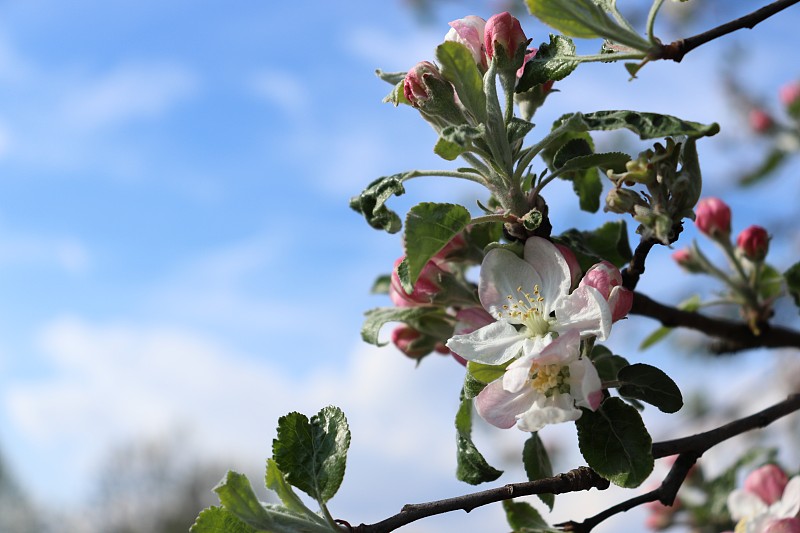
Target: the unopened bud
(766, 482)
(504, 31)
(760, 120)
(687, 260)
(469, 31)
(425, 290)
(753, 243)
(713, 217)
(623, 200)
(413, 343)
(607, 279)
(789, 94)
(426, 89)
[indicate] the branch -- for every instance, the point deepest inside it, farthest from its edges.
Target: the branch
(635, 269)
(677, 49)
(735, 335)
(581, 478)
(689, 449)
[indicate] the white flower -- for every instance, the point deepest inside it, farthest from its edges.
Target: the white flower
(754, 515)
(543, 389)
(531, 302)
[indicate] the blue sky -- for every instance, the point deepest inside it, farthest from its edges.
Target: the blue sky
(176, 248)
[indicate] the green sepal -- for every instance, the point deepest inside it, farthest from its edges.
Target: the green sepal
(429, 227)
(645, 125)
(615, 443)
(792, 276)
(392, 78)
(313, 454)
(425, 319)
(219, 520)
(584, 19)
(486, 373)
(552, 62)
(455, 140)
(459, 68)
(524, 518)
(608, 242)
(650, 384)
(370, 202)
(471, 467)
(397, 96)
(606, 363)
(537, 465)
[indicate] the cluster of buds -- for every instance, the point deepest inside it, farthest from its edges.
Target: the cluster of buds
(748, 287)
(664, 193)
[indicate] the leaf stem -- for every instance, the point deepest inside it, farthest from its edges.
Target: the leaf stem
(651, 20)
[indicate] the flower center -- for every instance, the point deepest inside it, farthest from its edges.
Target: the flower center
(530, 310)
(549, 379)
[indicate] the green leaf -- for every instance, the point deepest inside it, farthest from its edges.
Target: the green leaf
(645, 125)
(455, 140)
(608, 242)
(392, 78)
(615, 443)
(606, 363)
(219, 520)
(582, 171)
(554, 61)
(770, 282)
(537, 465)
(524, 518)
(471, 467)
(429, 227)
(472, 387)
(792, 276)
(651, 385)
(428, 320)
(459, 68)
(584, 19)
(381, 284)
(517, 129)
(275, 480)
(772, 162)
(370, 202)
(313, 454)
(486, 373)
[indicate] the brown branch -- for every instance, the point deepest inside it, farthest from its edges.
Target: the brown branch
(581, 478)
(735, 335)
(689, 449)
(677, 49)
(635, 268)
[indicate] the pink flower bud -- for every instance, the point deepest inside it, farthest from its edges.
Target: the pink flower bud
(713, 217)
(425, 289)
(789, 93)
(686, 260)
(469, 32)
(529, 54)
(607, 279)
(767, 483)
(411, 342)
(760, 120)
(753, 242)
(505, 30)
(454, 246)
(783, 525)
(572, 261)
(415, 85)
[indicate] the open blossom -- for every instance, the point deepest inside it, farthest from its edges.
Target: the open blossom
(768, 503)
(531, 302)
(544, 388)
(469, 32)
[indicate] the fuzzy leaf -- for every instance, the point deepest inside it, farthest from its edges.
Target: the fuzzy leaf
(471, 468)
(651, 385)
(537, 465)
(615, 443)
(459, 68)
(428, 320)
(645, 125)
(313, 454)
(219, 520)
(455, 140)
(370, 202)
(429, 227)
(275, 480)
(554, 61)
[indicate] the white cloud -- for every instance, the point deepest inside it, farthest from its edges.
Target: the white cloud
(64, 252)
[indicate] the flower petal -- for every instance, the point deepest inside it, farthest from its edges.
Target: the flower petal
(492, 345)
(743, 504)
(502, 274)
(563, 350)
(499, 407)
(551, 267)
(585, 310)
(516, 376)
(553, 410)
(789, 505)
(585, 385)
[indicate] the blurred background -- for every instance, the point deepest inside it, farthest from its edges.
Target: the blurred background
(179, 266)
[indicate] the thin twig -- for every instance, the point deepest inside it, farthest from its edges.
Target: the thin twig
(677, 49)
(736, 335)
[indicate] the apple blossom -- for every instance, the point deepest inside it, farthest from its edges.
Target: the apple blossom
(425, 290)
(531, 301)
(713, 217)
(753, 242)
(467, 321)
(544, 388)
(760, 120)
(607, 279)
(469, 32)
(427, 90)
(687, 260)
(505, 30)
(768, 502)
(789, 94)
(572, 262)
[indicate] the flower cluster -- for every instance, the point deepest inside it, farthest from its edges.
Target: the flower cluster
(538, 323)
(769, 502)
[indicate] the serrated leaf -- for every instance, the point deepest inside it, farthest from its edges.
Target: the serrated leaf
(471, 467)
(313, 454)
(554, 61)
(459, 68)
(370, 202)
(275, 480)
(219, 520)
(429, 227)
(537, 465)
(651, 385)
(584, 19)
(645, 125)
(517, 129)
(427, 320)
(792, 276)
(524, 518)
(615, 443)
